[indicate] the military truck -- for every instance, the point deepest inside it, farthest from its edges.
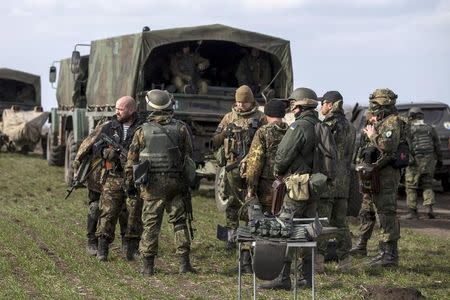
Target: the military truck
(21, 115)
(136, 63)
(435, 113)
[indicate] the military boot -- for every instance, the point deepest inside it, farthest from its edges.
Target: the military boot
(412, 214)
(149, 266)
(360, 249)
(132, 249)
(389, 257)
(91, 247)
(246, 262)
(319, 264)
(185, 265)
(282, 282)
(103, 248)
(430, 212)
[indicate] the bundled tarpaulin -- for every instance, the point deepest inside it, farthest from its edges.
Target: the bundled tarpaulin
(23, 127)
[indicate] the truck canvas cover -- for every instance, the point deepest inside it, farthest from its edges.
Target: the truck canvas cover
(19, 88)
(71, 86)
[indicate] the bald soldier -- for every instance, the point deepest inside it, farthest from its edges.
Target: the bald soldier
(121, 129)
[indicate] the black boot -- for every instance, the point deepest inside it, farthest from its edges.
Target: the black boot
(360, 249)
(412, 214)
(389, 257)
(91, 247)
(282, 282)
(246, 262)
(185, 265)
(149, 266)
(132, 249)
(430, 212)
(103, 248)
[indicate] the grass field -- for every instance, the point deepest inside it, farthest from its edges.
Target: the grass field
(42, 252)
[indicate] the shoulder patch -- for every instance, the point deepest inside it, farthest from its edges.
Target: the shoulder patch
(388, 133)
(293, 126)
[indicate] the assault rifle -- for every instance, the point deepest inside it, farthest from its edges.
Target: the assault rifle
(189, 212)
(107, 141)
(84, 171)
(237, 147)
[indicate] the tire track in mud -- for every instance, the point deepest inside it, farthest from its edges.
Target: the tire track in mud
(20, 275)
(60, 264)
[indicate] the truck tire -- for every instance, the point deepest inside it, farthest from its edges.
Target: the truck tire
(219, 190)
(70, 153)
(55, 152)
(355, 196)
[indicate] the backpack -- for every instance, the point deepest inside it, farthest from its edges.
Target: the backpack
(325, 153)
(403, 155)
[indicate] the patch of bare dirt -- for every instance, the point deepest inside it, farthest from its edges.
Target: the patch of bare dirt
(377, 292)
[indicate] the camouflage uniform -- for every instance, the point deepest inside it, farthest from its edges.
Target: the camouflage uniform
(94, 186)
(163, 191)
(333, 204)
(254, 71)
(426, 149)
(249, 122)
(185, 71)
(260, 161)
(114, 196)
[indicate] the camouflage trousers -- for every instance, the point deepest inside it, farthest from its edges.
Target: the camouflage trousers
(235, 192)
(385, 203)
(299, 209)
(367, 217)
(164, 194)
(335, 209)
(419, 176)
(112, 203)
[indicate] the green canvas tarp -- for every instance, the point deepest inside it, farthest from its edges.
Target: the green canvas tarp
(19, 87)
(116, 63)
(70, 91)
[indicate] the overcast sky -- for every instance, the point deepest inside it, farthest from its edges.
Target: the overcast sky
(353, 46)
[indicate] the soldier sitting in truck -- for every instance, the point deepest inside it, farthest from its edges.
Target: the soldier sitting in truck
(254, 71)
(185, 67)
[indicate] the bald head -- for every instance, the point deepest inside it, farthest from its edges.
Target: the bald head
(125, 108)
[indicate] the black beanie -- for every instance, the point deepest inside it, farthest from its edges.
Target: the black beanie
(275, 109)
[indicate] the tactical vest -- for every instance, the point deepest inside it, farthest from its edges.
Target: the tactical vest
(273, 134)
(161, 147)
(422, 139)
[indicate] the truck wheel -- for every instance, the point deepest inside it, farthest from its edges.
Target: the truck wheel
(219, 190)
(355, 196)
(55, 152)
(70, 153)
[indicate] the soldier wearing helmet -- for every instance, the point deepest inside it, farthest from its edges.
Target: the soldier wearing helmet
(384, 138)
(114, 194)
(427, 153)
(235, 133)
(154, 166)
(295, 155)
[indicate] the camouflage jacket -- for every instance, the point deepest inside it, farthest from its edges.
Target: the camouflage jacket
(261, 157)
(424, 140)
(243, 120)
(295, 152)
(138, 143)
(344, 135)
(253, 70)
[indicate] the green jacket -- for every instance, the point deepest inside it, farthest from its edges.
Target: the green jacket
(295, 152)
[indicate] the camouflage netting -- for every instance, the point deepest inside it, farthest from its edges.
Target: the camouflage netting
(117, 60)
(23, 127)
(21, 87)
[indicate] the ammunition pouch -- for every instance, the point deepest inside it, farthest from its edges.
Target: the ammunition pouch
(369, 179)
(297, 187)
(140, 173)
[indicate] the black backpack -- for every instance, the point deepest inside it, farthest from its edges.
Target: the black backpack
(325, 153)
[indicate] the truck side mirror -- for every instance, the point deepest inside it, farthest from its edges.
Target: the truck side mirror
(75, 62)
(52, 74)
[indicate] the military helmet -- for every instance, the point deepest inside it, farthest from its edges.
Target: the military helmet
(159, 100)
(383, 97)
(415, 111)
(303, 97)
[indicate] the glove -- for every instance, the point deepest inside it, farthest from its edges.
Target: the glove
(110, 154)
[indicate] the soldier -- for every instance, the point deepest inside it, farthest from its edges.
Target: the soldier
(185, 67)
(333, 204)
(254, 71)
(114, 195)
(94, 187)
(427, 152)
(295, 155)
(235, 133)
(385, 137)
(162, 143)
